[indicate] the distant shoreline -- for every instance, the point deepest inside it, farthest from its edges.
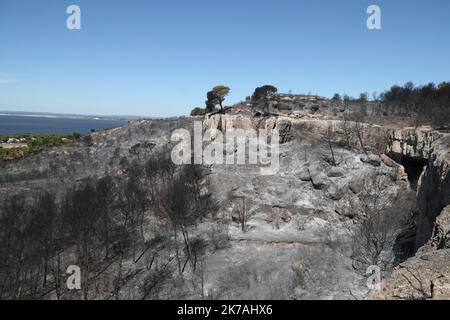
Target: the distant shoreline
(67, 116)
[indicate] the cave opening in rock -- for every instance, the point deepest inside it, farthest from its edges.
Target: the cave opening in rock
(413, 168)
(405, 246)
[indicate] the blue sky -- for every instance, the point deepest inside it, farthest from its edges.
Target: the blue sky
(159, 58)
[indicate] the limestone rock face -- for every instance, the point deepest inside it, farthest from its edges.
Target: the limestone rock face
(434, 190)
(225, 122)
(441, 233)
(434, 185)
(416, 143)
(440, 238)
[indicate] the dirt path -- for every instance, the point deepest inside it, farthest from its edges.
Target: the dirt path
(279, 244)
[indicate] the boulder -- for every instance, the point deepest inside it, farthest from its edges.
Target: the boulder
(319, 180)
(356, 185)
(355, 207)
(343, 209)
(335, 193)
(372, 159)
(335, 172)
(304, 175)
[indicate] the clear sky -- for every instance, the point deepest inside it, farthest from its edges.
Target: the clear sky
(159, 57)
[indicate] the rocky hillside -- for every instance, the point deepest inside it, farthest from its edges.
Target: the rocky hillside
(296, 234)
(96, 155)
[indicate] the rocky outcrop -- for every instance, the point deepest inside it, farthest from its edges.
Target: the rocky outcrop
(298, 104)
(415, 143)
(434, 184)
(225, 122)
